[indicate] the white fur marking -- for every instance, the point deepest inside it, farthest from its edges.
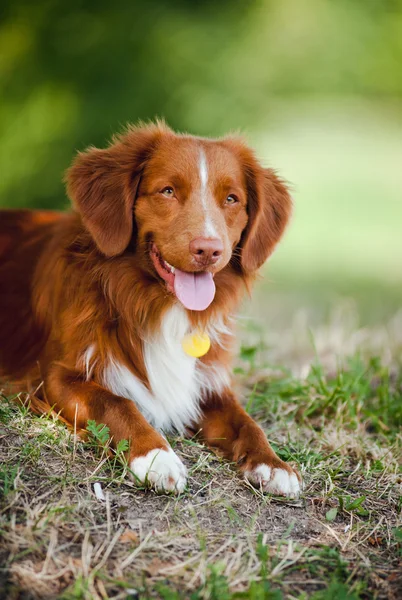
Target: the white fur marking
(260, 475)
(210, 230)
(86, 360)
(176, 380)
(162, 469)
(274, 481)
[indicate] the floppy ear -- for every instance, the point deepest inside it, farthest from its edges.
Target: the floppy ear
(102, 185)
(269, 207)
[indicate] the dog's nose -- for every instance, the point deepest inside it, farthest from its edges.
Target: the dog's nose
(206, 251)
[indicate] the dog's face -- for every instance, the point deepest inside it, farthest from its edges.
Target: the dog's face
(191, 210)
(193, 206)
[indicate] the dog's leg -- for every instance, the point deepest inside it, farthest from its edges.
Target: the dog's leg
(226, 427)
(151, 459)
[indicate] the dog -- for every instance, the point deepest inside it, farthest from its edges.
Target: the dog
(124, 306)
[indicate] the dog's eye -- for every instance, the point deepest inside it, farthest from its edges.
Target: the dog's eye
(232, 199)
(168, 191)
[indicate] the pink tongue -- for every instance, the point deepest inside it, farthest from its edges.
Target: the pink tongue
(195, 290)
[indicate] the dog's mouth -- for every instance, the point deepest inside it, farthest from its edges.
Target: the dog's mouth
(194, 290)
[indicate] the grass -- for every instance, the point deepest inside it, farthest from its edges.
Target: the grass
(221, 539)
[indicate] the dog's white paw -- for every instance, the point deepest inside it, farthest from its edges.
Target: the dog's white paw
(274, 480)
(161, 469)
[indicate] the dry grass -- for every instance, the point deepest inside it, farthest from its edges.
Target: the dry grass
(221, 539)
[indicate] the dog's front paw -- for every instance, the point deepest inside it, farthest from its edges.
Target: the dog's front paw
(275, 480)
(161, 469)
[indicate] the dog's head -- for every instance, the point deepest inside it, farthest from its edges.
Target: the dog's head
(188, 206)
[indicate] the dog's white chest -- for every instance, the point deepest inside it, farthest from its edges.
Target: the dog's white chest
(176, 380)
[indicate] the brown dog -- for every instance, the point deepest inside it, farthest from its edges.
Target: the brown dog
(114, 305)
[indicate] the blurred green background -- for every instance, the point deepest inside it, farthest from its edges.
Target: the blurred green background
(315, 85)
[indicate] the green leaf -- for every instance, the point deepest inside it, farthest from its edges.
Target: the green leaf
(330, 515)
(335, 591)
(168, 594)
(248, 353)
(122, 447)
(99, 432)
(355, 503)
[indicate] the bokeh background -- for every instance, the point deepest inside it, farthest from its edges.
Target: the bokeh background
(315, 85)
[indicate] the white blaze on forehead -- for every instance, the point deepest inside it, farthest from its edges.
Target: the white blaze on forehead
(206, 201)
(203, 172)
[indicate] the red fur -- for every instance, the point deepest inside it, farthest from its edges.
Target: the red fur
(85, 277)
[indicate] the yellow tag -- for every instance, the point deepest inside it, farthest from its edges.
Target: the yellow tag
(196, 344)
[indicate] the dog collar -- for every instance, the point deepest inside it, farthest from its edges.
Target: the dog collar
(196, 343)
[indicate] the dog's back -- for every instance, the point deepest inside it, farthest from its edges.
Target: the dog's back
(23, 237)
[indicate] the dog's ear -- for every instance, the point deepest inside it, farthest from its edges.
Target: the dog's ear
(102, 185)
(269, 208)
(268, 205)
